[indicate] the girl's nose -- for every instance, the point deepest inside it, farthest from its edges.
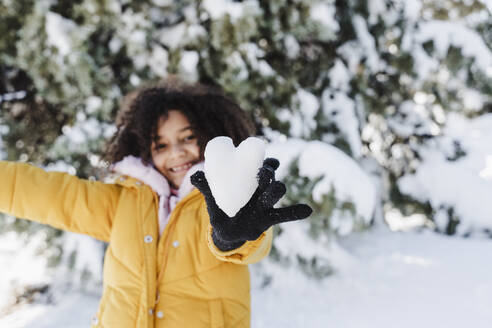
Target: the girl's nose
(177, 150)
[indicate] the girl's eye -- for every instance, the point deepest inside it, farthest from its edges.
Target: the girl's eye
(160, 146)
(190, 137)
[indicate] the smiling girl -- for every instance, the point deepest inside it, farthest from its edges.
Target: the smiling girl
(174, 258)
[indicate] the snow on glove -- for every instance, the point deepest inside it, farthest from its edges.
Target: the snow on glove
(256, 216)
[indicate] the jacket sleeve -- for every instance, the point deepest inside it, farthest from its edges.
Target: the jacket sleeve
(249, 252)
(58, 199)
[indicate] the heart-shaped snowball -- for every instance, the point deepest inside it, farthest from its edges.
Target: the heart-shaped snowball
(232, 172)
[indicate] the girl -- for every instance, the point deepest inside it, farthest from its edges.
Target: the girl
(174, 258)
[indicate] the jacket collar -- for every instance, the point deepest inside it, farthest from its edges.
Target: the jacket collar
(132, 166)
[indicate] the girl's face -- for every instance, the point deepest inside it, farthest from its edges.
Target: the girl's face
(175, 148)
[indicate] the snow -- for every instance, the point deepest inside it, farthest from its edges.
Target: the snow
(446, 34)
(9, 96)
(308, 106)
(16, 253)
(61, 166)
(472, 99)
(237, 64)
(340, 109)
(384, 279)
(80, 259)
(4, 129)
(308, 103)
(74, 310)
(411, 118)
(464, 184)
(115, 44)
(352, 52)
(412, 9)
(92, 104)
(188, 65)
(367, 43)
(338, 170)
(324, 14)
(377, 9)
(78, 137)
(79, 133)
(173, 36)
(291, 46)
(162, 3)
(425, 64)
(252, 53)
(390, 279)
(196, 31)
(138, 37)
(232, 172)
(219, 8)
(301, 119)
(113, 6)
(159, 61)
(339, 76)
(58, 31)
(296, 128)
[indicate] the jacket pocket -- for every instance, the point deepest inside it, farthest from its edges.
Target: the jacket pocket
(216, 314)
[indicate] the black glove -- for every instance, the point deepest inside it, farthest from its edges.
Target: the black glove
(256, 216)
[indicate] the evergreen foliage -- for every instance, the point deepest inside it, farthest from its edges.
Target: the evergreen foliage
(376, 79)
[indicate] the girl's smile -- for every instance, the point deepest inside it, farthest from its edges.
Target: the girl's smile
(174, 149)
(181, 167)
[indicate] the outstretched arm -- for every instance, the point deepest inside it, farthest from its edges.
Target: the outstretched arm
(58, 199)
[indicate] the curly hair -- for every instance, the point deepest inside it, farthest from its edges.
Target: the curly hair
(209, 112)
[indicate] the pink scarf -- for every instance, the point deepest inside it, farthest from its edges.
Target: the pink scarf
(168, 197)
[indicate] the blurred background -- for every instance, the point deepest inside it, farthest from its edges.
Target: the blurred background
(380, 112)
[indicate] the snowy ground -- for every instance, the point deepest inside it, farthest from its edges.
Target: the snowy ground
(387, 280)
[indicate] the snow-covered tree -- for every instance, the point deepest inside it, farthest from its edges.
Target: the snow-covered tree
(379, 80)
(358, 98)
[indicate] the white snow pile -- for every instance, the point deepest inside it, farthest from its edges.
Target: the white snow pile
(464, 184)
(339, 174)
(338, 171)
(384, 280)
(388, 280)
(232, 172)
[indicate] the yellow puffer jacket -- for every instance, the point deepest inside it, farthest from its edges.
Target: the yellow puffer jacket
(197, 284)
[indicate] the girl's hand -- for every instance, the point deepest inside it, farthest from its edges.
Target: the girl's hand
(256, 216)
